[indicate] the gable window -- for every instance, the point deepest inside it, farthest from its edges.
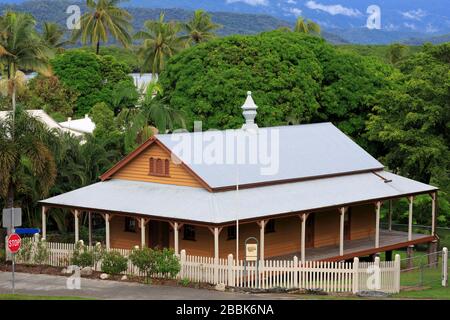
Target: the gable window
(130, 224)
(231, 233)
(189, 232)
(159, 167)
(270, 226)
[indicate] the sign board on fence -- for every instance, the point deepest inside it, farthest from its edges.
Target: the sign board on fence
(16, 217)
(251, 251)
(27, 230)
(14, 241)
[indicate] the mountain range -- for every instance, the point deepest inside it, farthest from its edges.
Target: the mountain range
(343, 21)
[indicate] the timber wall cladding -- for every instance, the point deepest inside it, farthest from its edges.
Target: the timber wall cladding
(326, 225)
(123, 239)
(138, 169)
(285, 240)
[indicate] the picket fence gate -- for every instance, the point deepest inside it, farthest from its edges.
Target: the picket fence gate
(311, 275)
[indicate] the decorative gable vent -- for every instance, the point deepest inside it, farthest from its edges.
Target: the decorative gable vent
(159, 167)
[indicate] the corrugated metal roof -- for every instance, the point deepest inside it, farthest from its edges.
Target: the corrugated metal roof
(301, 151)
(83, 125)
(42, 116)
(197, 204)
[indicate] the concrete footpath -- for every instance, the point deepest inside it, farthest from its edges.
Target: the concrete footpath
(49, 285)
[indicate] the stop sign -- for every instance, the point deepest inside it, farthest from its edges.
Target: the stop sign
(14, 242)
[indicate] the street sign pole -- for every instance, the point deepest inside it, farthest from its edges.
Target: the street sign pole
(13, 273)
(14, 243)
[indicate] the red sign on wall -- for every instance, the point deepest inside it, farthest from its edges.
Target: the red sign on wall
(14, 242)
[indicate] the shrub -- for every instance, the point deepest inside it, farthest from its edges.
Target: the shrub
(81, 257)
(166, 262)
(97, 254)
(25, 253)
(184, 282)
(2, 255)
(84, 257)
(114, 263)
(41, 252)
(144, 260)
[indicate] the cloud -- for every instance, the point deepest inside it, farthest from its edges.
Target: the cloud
(291, 2)
(333, 9)
(251, 2)
(411, 26)
(431, 29)
(414, 14)
(391, 27)
(295, 11)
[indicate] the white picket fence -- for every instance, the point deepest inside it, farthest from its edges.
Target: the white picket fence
(314, 275)
(318, 275)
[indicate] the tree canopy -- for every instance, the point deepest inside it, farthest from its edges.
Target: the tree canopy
(411, 121)
(93, 77)
(295, 78)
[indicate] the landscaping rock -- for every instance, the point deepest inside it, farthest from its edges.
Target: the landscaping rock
(317, 291)
(378, 294)
(86, 271)
(124, 277)
(104, 276)
(220, 287)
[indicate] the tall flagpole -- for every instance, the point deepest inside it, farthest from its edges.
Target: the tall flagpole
(237, 212)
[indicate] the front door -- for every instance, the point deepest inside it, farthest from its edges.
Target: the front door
(159, 234)
(309, 234)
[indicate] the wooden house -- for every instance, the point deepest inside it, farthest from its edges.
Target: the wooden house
(321, 202)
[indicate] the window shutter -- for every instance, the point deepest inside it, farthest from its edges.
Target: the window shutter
(166, 167)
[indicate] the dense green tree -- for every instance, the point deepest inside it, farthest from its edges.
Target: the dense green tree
(200, 27)
(49, 94)
(160, 41)
(103, 117)
(411, 121)
(80, 71)
(105, 18)
(295, 78)
(93, 77)
(396, 52)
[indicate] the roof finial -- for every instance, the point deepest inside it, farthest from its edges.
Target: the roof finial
(249, 112)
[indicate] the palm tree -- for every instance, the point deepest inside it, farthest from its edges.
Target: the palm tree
(306, 26)
(103, 19)
(53, 35)
(24, 150)
(24, 49)
(200, 28)
(152, 115)
(160, 42)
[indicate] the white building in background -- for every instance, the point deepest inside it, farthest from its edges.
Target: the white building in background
(78, 127)
(81, 126)
(141, 80)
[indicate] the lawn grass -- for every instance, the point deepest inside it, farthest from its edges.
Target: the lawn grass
(33, 297)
